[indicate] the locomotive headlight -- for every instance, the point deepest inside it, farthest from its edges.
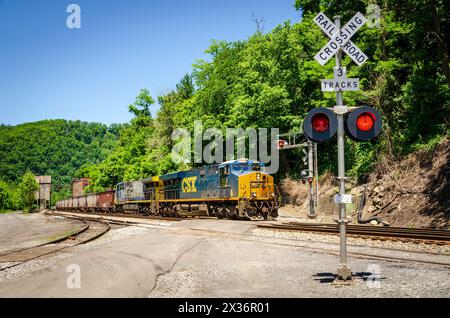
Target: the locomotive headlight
(253, 194)
(272, 194)
(258, 176)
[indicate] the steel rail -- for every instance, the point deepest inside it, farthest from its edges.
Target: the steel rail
(21, 256)
(57, 240)
(392, 233)
(124, 215)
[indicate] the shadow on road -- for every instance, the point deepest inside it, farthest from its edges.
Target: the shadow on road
(325, 278)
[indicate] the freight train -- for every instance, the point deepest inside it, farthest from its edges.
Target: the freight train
(236, 189)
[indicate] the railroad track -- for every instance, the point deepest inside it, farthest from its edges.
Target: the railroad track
(121, 215)
(93, 230)
(430, 236)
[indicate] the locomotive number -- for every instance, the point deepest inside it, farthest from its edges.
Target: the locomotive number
(188, 184)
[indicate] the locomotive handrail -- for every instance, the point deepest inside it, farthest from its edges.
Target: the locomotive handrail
(147, 195)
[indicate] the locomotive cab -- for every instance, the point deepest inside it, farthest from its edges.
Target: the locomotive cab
(256, 192)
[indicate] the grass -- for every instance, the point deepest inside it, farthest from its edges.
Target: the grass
(429, 145)
(6, 211)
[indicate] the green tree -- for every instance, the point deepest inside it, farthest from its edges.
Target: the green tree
(186, 88)
(141, 108)
(132, 157)
(27, 187)
(5, 196)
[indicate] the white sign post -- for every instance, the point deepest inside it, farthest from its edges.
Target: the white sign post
(340, 41)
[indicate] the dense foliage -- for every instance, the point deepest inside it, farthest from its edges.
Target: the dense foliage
(52, 147)
(5, 196)
(139, 153)
(27, 187)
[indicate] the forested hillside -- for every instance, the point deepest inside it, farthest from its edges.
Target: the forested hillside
(52, 147)
(272, 80)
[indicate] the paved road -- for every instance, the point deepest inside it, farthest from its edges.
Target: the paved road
(21, 230)
(211, 258)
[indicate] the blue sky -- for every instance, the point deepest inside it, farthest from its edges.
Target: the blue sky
(49, 71)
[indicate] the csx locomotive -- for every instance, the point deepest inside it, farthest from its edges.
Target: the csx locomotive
(236, 189)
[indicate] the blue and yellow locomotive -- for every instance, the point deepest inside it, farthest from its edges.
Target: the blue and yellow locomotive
(233, 189)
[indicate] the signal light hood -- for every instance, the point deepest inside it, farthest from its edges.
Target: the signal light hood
(363, 124)
(320, 125)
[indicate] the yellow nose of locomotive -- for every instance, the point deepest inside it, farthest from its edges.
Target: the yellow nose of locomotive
(256, 186)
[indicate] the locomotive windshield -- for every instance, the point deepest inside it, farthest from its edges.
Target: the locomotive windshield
(241, 167)
(246, 167)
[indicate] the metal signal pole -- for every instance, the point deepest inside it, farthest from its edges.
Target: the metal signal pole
(343, 271)
(339, 42)
(311, 167)
(316, 176)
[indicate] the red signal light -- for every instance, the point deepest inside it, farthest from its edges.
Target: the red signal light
(320, 122)
(282, 143)
(320, 125)
(365, 121)
(363, 124)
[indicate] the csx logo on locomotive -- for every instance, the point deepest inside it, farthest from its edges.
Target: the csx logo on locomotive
(188, 184)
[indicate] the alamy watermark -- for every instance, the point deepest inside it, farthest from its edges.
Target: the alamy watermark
(374, 279)
(256, 144)
(74, 279)
(74, 19)
(373, 14)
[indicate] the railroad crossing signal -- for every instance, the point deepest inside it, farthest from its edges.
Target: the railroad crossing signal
(362, 124)
(291, 140)
(322, 124)
(340, 38)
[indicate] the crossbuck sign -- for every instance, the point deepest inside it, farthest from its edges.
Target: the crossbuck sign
(340, 38)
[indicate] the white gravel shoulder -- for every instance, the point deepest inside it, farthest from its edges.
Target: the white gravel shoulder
(323, 238)
(114, 235)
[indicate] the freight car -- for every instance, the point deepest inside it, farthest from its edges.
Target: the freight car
(94, 202)
(233, 189)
